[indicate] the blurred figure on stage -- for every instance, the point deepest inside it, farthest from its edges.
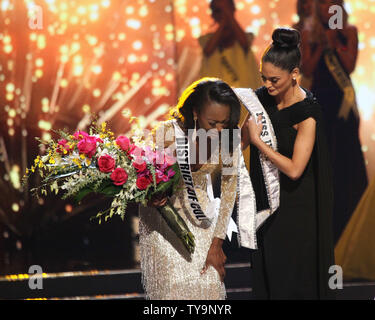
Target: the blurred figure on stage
(169, 270)
(329, 56)
(305, 12)
(227, 52)
(355, 251)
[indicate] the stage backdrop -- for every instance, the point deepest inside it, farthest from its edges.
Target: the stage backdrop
(61, 61)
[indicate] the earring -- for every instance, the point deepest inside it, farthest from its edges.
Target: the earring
(194, 136)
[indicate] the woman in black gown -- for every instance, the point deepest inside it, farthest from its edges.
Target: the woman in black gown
(295, 247)
(342, 128)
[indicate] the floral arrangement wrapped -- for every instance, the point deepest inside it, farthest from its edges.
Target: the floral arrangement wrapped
(97, 162)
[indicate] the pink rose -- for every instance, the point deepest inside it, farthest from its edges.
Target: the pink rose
(87, 146)
(136, 151)
(99, 140)
(80, 134)
(123, 142)
(169, 158)
(139, 165)
(106, 163)
(119, 176)
(143, 182)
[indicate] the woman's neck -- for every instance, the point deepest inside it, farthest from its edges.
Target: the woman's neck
(292, 95)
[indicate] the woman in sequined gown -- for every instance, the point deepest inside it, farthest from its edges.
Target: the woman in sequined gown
(168, 270)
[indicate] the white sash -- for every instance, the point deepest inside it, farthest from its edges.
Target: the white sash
(270, 171)
(183, 160)
(213, 207)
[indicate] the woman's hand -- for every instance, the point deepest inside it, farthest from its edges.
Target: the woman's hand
(254, 129)
(331, 38)
(216, 258)
(158, 200)
(245, 138)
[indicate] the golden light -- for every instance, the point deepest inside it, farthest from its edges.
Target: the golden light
(10, 87)
(15, 177)
(143, 11)
(132, 58)
(15, 207)
(46, 136)
(133, 24)
(96, 93)
(8, 48)
(92, 40)
(129, 10)
(86, 108)
(39, 73)
(12, 113)
(41, 41)
(81, 10)
(44, 125)
(94, 16)
(137, 45)
(78, 70)
(9, 96)
(68, 208)
(7, 39)
(64, 83)
(97, 69)
(106, 3)
(39, 62)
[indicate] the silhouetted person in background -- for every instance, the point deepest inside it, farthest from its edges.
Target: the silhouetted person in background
(329, 56)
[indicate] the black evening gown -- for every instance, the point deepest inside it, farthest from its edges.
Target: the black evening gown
(295, 245)
(349, 171)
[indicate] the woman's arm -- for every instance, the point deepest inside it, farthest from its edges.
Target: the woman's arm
(215, 255)
(348, 55)
(214, 41)
(310, 58)
(302, 151)
(239, 33)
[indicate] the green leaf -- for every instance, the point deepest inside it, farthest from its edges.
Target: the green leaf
(111, 190)
(82, 193)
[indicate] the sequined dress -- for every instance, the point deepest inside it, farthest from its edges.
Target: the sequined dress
(169, 272)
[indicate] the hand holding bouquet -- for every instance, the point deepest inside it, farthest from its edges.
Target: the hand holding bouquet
(97, 162)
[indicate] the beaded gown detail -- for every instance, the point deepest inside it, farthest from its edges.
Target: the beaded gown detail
(168, 271)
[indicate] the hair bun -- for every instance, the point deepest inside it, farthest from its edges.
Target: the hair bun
(286, 38)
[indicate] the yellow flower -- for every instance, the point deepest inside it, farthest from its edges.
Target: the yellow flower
(52, 160)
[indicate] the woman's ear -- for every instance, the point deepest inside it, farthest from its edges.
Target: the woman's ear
(295, 74)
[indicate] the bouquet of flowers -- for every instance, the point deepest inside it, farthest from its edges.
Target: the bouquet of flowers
(97, 162)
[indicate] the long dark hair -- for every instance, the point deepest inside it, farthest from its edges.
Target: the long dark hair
(284, 52)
